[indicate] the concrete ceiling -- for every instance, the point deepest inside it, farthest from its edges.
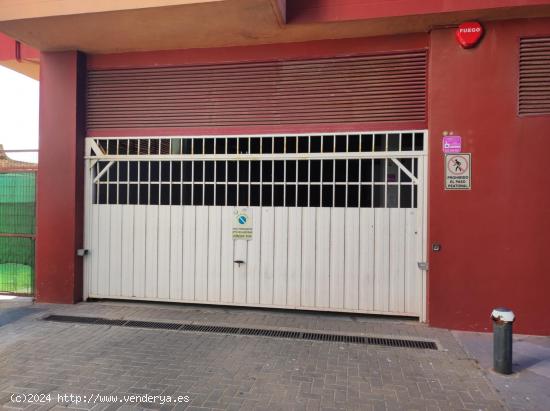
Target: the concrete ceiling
(210, 23)
(30, 68)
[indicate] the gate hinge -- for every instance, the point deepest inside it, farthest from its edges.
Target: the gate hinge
(81, 252)
(423, 265)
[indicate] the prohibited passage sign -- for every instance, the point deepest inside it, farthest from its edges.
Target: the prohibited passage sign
(458, 169)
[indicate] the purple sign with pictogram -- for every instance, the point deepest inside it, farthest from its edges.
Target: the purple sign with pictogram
(452, 144)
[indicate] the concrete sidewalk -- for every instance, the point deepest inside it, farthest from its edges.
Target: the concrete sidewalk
(528, 388)
(231, 372)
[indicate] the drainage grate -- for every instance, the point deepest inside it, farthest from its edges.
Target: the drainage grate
(210, 329)
(391, 342)
(334, 338)
(105, 321)
(153, 324)
(71, 319)
(271, 333)
(219, 329)
(400, 343)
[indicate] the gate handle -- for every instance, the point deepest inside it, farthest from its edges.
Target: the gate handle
(239, 262)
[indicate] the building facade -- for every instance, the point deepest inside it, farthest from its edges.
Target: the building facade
(292, 155)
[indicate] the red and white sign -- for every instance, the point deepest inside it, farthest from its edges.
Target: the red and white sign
(458, 171)
(469, 34)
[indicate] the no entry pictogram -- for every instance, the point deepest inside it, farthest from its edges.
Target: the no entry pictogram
(458, 171)
(458, 164)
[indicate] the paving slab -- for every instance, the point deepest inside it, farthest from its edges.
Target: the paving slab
(104, 366)
(528, 388)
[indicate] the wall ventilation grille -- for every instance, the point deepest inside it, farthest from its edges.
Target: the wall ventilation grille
(220, 329)
(374, 88)
(534, 76)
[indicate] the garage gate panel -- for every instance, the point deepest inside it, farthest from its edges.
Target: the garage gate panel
(370, 88)
(332, 230)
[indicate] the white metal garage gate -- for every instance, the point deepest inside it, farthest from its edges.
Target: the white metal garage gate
(338, 220)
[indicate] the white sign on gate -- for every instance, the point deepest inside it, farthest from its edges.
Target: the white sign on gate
(242, 224)
(458, 171)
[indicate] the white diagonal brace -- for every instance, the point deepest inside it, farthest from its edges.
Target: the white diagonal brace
(107, 167)
(95, 148)
(405, 170)
(91, 145)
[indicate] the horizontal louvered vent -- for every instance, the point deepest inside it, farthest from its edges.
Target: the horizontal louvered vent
(534, 76)
(336, 90)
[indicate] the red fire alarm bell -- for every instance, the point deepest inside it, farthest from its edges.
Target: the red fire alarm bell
(468, 34)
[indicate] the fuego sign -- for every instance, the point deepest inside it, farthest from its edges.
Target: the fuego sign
(468, 34)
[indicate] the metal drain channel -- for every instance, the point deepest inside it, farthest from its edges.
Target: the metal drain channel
(219, 329)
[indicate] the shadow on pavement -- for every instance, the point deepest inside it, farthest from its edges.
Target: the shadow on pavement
(10, 315)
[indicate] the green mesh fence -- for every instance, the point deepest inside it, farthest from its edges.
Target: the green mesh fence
(17, 228)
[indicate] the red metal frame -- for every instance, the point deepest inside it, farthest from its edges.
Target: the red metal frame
(19, 169)
(33, 236)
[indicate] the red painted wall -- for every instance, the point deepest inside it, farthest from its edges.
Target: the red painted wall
(495, 237)
(317, 11)
(7, 49)
(60, 178)
(267, 52)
